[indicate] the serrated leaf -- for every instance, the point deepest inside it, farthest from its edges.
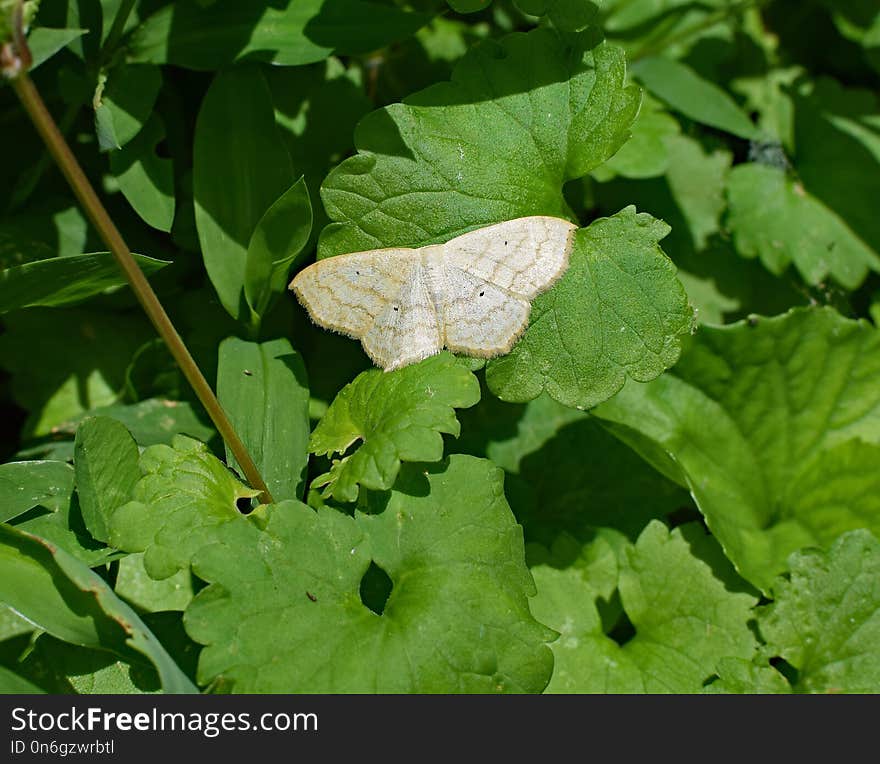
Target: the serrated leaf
(597, 327)
(280, 235)
(774, 218)
(684, 616)
(24, 485)
(688, 93)
(185, 493)
(106, 463)
(456, 619)
(398, 415)
(736, 675)
(291, 34)
(825, 620)
(64, 280)
(520, 117)
(240, 168)
(264, 390)
(145, 178)
(751, 410)
(61, 596)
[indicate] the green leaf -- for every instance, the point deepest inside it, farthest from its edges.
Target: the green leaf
(264, 390)
(25, 485)
(106, 463)
(773, 217)
(685, 618)
(13, 684)
(825, 620)
(136, 587)
(456, 619)
(743, 677)
(185, 493)
(63, 597)
(520, 118)
(45, 42)
(280, 235)
(399, 416)
(688, 93)
(291, 34)
(88, 671)
(317, 108)
(145, 178)
(240, 168)
(64, 280)
(690, 198)
(617, 313)
(124, 103)
(757, 416)
(150, 422)
(645, 154)
(90, 351)
(566, 475)
(468, 6)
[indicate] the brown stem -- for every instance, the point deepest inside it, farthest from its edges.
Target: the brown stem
(61, 153)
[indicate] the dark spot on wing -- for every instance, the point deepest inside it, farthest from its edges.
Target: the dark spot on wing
(396, 308)
(482, 293)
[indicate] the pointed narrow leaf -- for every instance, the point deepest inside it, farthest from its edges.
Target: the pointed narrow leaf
(686, 92)
(63, 597)
(278, 238)
(240, 168)
(64, 280)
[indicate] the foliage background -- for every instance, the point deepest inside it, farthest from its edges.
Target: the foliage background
(669, 485)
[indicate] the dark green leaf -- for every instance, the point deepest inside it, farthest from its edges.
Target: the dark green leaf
(64, 280)
(106, 462)
(124, 103)
(264, 390)
(45, 42)
(240, 168)
(25, 485)
(147, 179)
(292, 34)
(280, 235)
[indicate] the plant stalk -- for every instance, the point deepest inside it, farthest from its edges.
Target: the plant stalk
(63, 156)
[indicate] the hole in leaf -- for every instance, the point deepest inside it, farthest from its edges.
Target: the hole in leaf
(623, 630)
(245, 505)
(376, 586)
(786, 669)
